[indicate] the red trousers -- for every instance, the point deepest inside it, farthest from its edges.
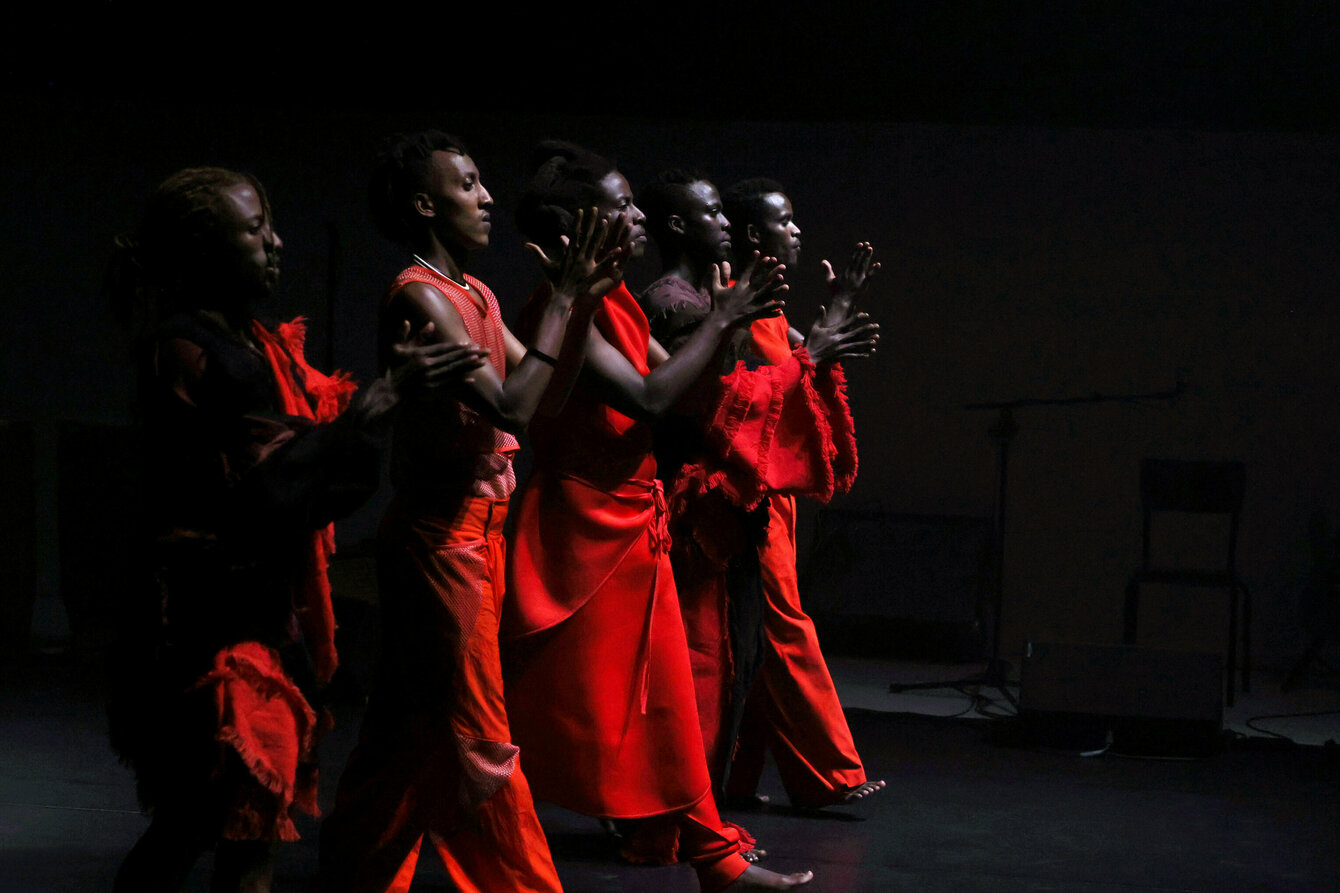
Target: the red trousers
(435, 756)
(793, 707)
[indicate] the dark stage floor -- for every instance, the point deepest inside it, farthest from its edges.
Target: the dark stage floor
(962, 813)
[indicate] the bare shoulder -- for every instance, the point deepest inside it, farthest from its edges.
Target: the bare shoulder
(421, 303)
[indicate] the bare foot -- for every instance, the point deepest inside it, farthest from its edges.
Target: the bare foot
(861, 791)
(755, 878)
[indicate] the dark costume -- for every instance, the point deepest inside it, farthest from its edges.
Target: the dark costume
(243, 477)
(435, 756)
(598, 683)
(771, 428)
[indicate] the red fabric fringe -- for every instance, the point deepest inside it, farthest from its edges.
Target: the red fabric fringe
(305, 392)
(261, 714)
(785, 428)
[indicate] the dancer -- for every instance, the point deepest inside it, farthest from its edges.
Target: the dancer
(248, 454)
(599, 686)
(780, 427)
(435, 756)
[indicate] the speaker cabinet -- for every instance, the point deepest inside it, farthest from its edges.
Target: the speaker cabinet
(1132, 699)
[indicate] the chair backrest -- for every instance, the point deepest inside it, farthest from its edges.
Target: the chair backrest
(1168, 485)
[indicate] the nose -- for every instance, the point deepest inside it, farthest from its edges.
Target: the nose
(275, 242)
(636, 215)
(795, 230)
(485, 200)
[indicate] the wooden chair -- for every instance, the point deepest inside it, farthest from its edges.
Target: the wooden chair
(1197, 488)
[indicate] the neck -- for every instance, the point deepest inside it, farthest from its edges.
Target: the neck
(449, 260)
(235, 320)
(681, 266)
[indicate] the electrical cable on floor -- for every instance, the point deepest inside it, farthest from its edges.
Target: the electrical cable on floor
(1251, 723)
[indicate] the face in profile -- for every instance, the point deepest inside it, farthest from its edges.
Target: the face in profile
(776, 234)
(249, 256)
(615, 197)
(458, 202)
(705, 229)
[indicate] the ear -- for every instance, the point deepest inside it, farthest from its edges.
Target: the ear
(675, 224)
(751, 234)
(423, 205)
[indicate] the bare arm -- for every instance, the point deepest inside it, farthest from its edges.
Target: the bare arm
(508, 404)
(650, 397)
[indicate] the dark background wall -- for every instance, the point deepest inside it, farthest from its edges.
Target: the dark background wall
(1063, 205)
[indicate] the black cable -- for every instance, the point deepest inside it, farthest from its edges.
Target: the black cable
(1255, 728)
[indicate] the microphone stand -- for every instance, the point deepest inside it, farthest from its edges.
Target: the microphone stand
(995, 674)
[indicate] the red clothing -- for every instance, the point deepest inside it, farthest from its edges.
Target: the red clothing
(452, 447)
(244, 476)
(599, 686)
(435, 755)
(770, 433)
(793, 708)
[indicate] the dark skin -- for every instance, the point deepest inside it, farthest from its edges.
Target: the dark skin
(697, 254)
(454, 209)
(241, 255)
(700, 236)
(609, 373)
(840, 332)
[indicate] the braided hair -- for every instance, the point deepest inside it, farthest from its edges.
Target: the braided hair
(150, 270)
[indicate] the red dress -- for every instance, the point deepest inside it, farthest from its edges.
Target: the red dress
(599, 687)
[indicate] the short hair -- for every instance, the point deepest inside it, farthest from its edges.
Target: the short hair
(659, 198)
(150, 270)
(402, 169)
(565, 179)
(743, 202)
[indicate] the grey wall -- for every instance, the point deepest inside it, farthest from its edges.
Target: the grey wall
(1019, 261)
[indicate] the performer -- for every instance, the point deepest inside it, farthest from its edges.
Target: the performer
(780, 427)
(435, 755)
(599, 686)
(248, 454)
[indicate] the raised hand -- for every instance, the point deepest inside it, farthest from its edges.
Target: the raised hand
(855, 336)
(418, 361)
(592, 262)
(755, 295)
(845, 289)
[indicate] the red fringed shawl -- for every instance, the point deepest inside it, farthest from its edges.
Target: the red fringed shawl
(303, 391)
(784, 428)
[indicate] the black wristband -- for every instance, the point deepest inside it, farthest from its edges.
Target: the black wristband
(541, 356)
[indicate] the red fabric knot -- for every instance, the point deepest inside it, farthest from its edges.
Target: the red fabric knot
(659, 529)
